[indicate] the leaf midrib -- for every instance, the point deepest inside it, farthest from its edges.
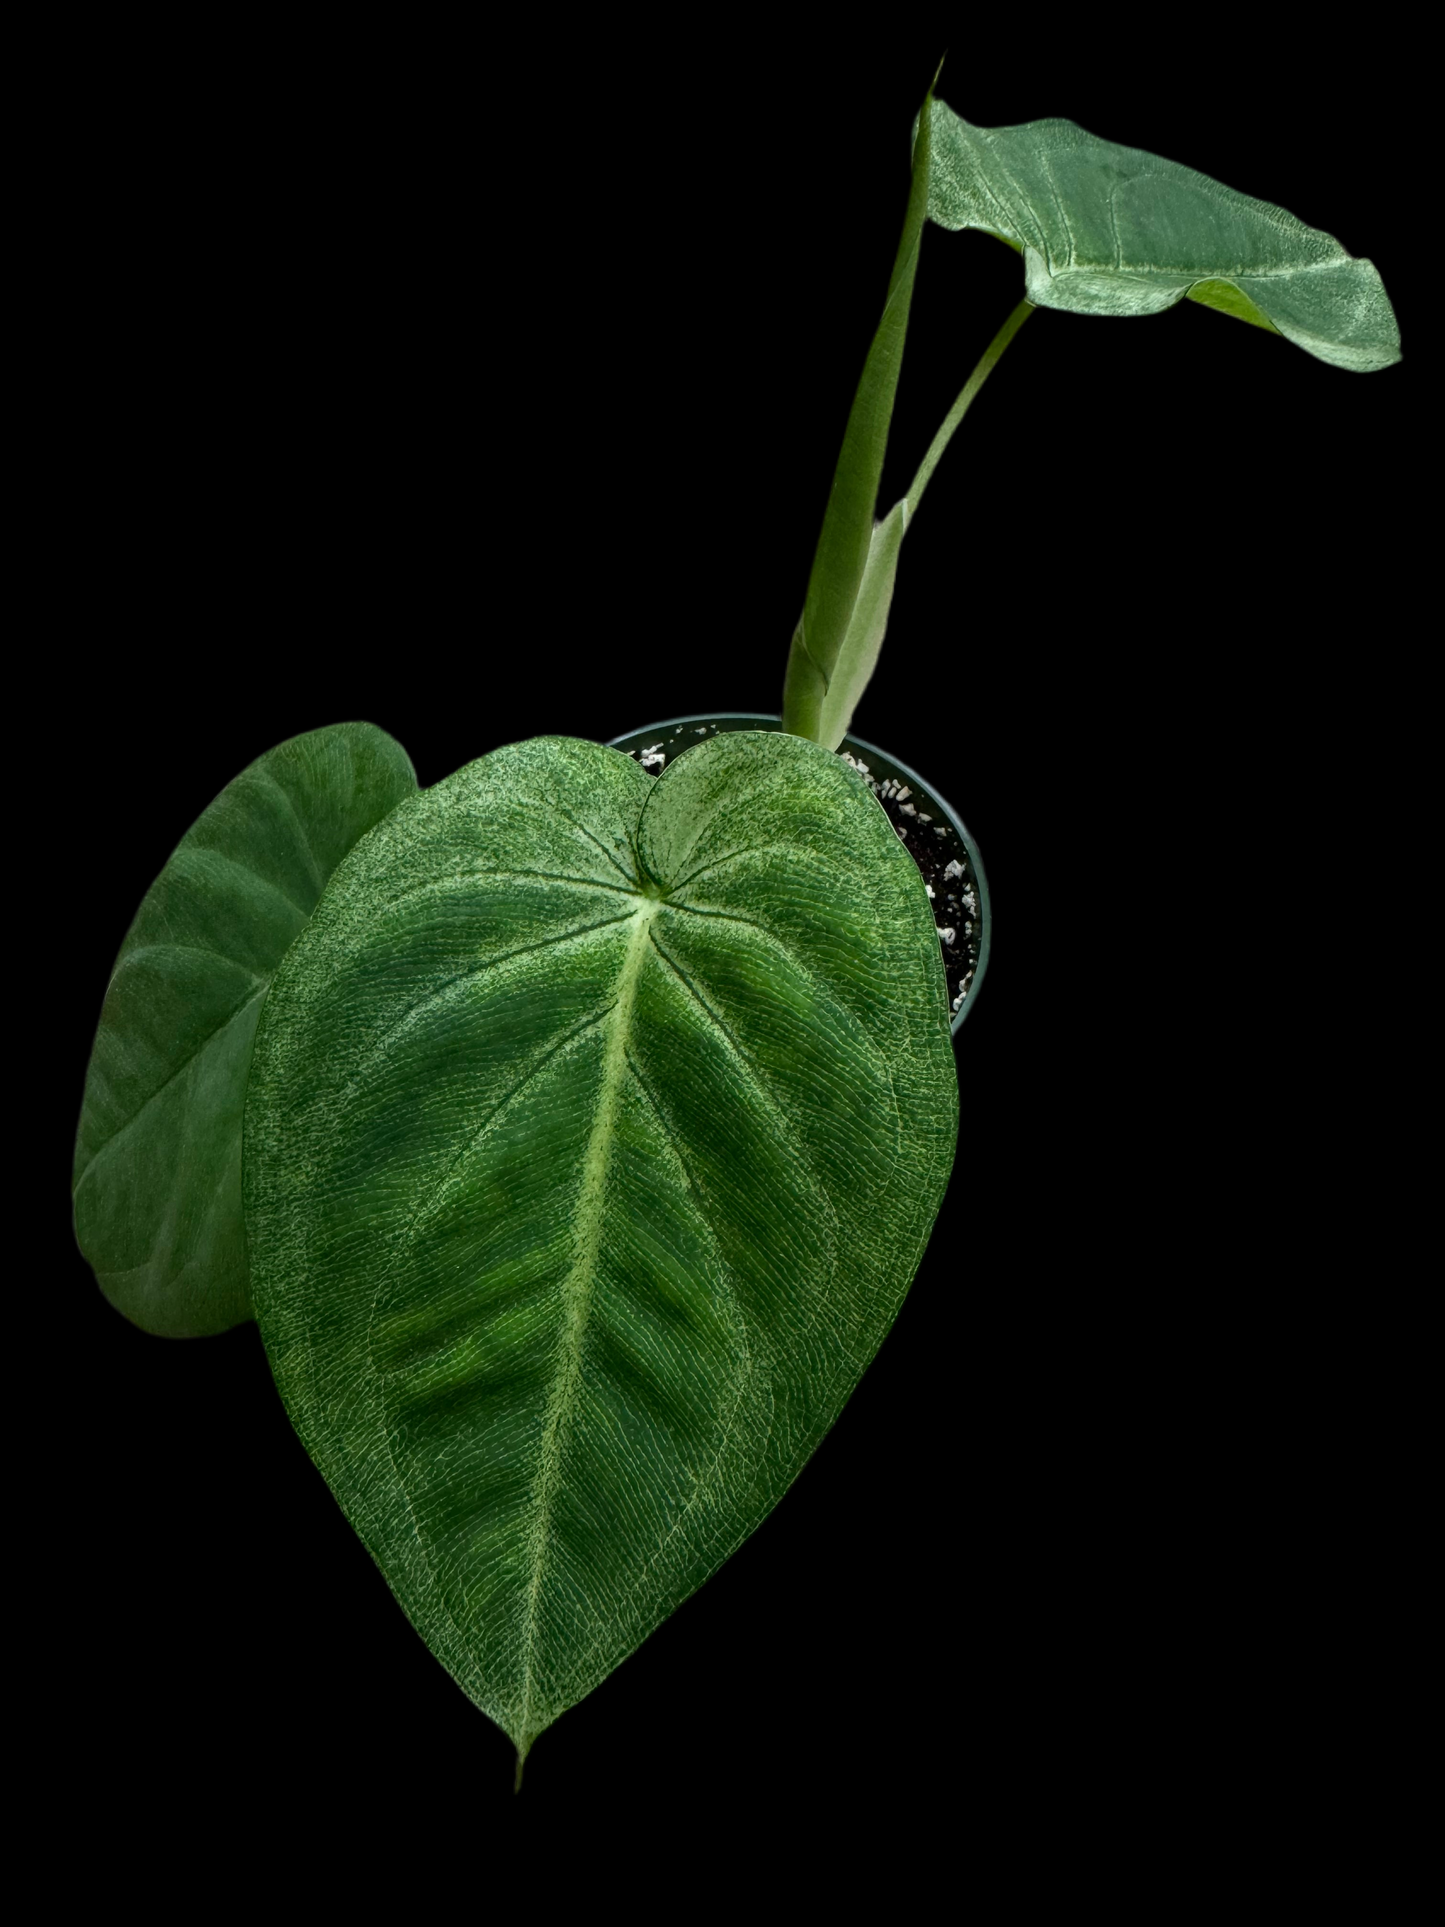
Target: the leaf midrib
(185, 1064)
(577, 1286)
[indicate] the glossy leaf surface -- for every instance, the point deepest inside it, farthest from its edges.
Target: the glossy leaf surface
(1111, 230)
(596, 1129)
(157, 1173)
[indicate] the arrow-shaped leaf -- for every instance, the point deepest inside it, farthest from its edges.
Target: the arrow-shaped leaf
(1111, 230)
(1103, 230)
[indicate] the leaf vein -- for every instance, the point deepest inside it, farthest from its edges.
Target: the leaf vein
(183, 1066)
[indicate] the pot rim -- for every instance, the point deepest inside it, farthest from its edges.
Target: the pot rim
(912, 775)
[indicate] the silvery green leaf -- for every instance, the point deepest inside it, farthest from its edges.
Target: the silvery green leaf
(596, 1128)
(1110, 230)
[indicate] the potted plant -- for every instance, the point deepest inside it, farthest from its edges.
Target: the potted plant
(573, 1128)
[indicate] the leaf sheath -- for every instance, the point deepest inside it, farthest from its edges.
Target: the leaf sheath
(843, 545)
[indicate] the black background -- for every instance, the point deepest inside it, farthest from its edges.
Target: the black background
(483, 391)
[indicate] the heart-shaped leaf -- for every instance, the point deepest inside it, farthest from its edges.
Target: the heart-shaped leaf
(157, 1175)
(1114, 231)
(596, 1128)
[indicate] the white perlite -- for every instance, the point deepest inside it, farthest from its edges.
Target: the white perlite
(953, 869)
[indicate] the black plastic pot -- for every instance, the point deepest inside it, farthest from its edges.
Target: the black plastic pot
(927, 822)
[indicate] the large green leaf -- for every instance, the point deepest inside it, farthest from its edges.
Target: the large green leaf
(157, 1175)
(596, 1128)
(1111, 230)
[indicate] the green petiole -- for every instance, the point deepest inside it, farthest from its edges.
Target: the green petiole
(835, 645)
(986, 364)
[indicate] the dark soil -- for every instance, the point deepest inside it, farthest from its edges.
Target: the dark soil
(943, 863)
(920, 820)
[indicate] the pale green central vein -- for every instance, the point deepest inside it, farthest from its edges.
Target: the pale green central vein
(577, 1286)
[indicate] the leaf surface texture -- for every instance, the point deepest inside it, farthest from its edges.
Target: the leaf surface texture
(157, 1172)
(1111, 230)
(596, 1130)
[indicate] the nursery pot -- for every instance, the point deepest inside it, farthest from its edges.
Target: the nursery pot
(929, 826)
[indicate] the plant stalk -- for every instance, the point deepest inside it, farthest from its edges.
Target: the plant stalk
(961, 407)
(844, 541)
(857, 656)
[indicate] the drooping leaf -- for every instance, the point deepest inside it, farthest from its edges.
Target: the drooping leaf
(157, 1173)
(843, 545)
(1110, 230)
(596, 1127)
